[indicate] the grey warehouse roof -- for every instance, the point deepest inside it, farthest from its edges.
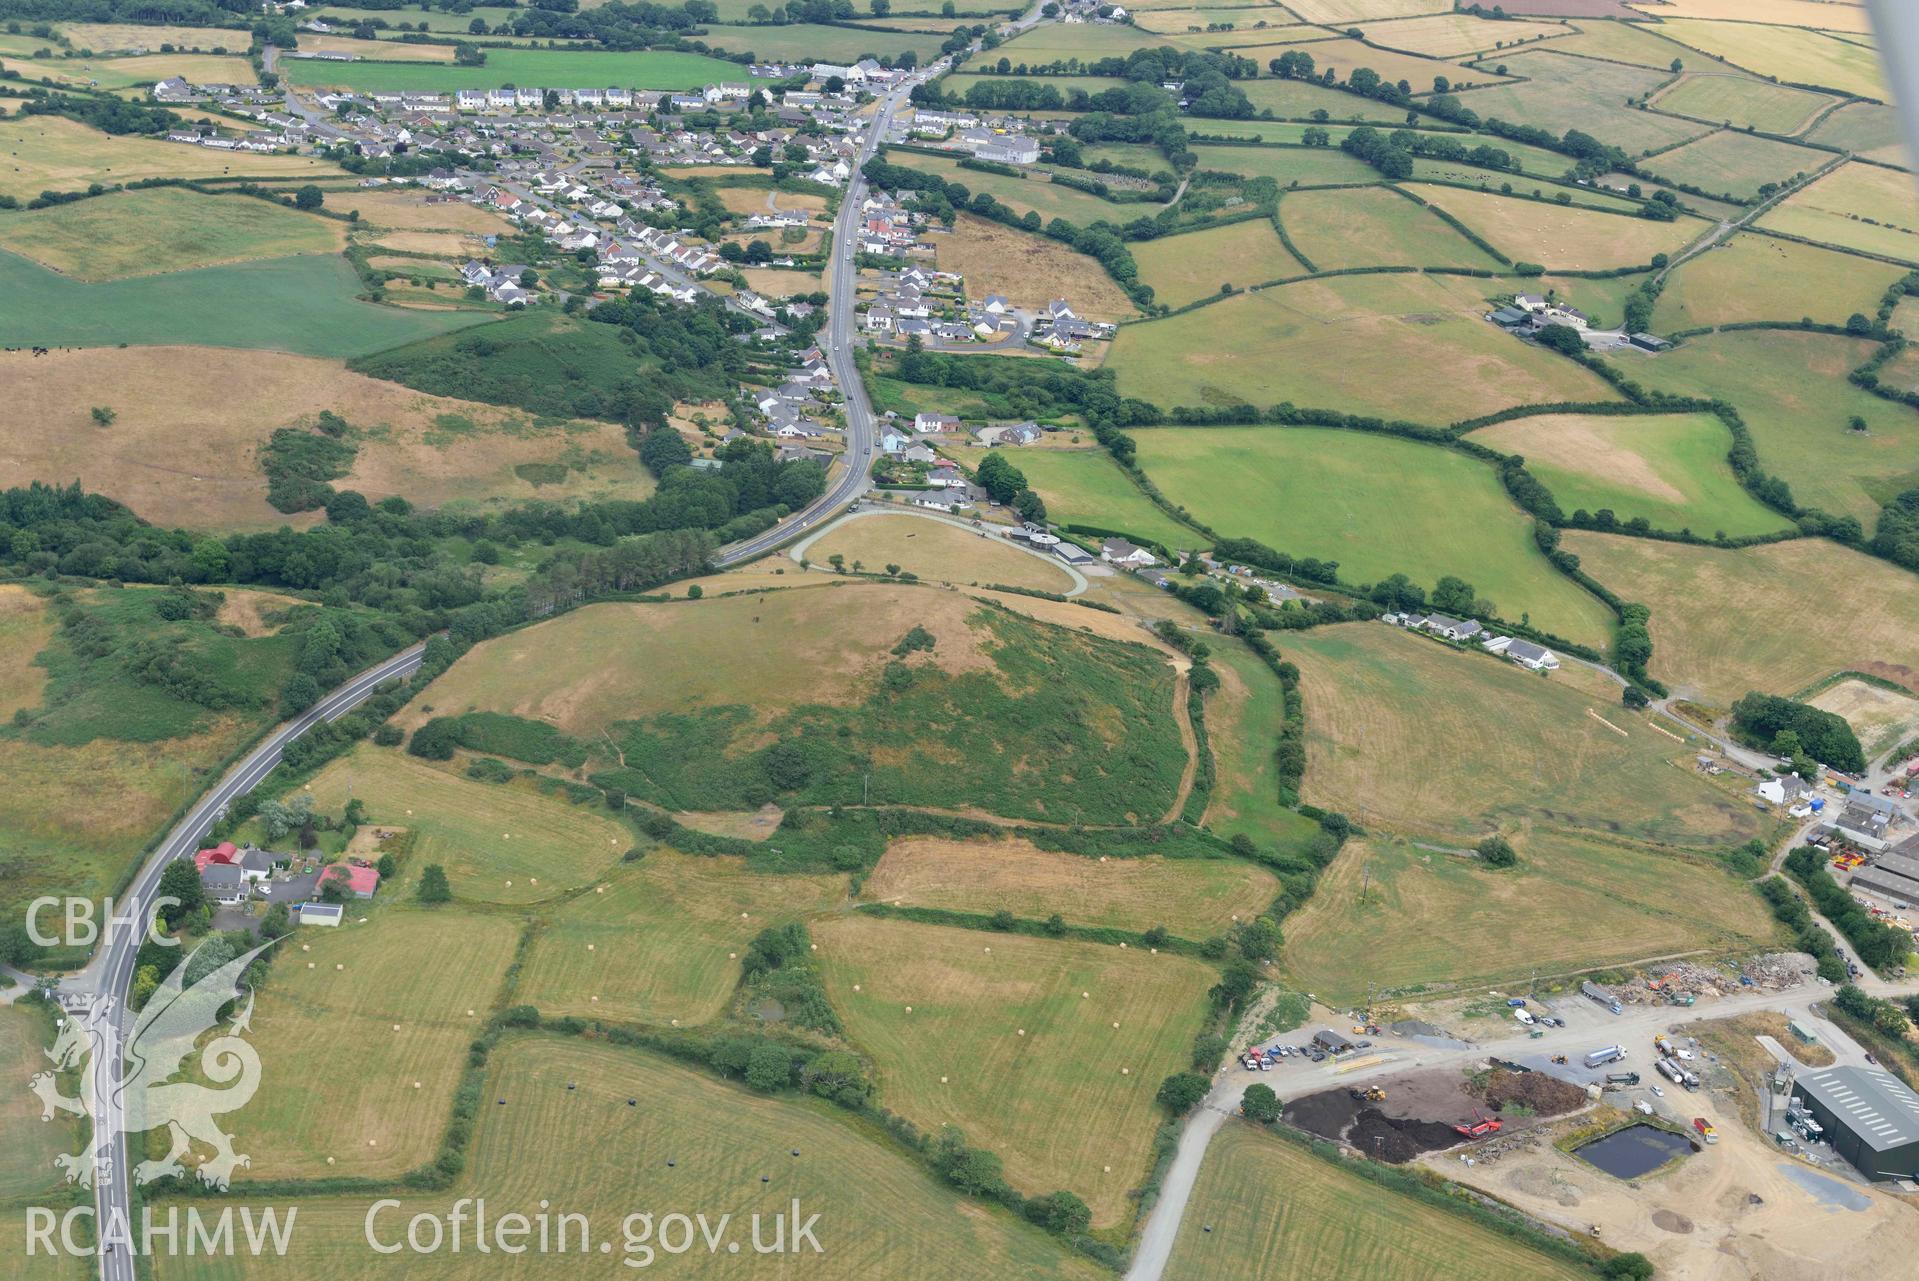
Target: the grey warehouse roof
(1874, 1104)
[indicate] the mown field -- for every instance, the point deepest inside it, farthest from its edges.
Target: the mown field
(1336, 12)
(568, 1135)
(1394, 915)
(145, 69)
(1297, 100)
(361, 1044)
(1086, 487)
(302, 305)
(1450, 35)
(1792, 391)
(659, 941)
(1378, 505)
(143, 233)
(1765, 618)
(1194, 265)
(1560, 236)
(1855, 207)
(1880, 717)
(560, 69)
(1753, 277)
(41, 153)
(1564, 92)
(1871, 129)
(1281, 1214)
(1398, 345)
(1735, 164)
(1192, 897)
(499, 843)
(1028, 1098)
(938, 551)
(403, 210)
(1378, 697)
(1798, 56)
(1375, 227)
(1670, 469)
(1812, 14)
(178, 456)
(1742, 102)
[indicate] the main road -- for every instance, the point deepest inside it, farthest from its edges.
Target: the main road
(109, 976)
(862, 435)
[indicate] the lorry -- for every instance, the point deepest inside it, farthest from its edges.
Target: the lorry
(1605, 1055)
(1593, 992)
(1622, 1078)
(1705, 1129)
(1661, 1044)
(1682, 999)
(1670, 1070)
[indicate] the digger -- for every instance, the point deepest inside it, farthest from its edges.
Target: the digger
(1371, 1094)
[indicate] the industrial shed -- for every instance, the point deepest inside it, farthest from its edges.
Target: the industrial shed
(1871, 1118)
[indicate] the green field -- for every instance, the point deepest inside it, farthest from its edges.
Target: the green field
(1280, 1214)
(1734, 164)
(1755, 277)
(1742, 102)
(1054, 42)
(53, 153)
(1764, 618)
(303, 305)
(811, 42)
(1871, 129)
(26, 1155)
(499, 843)
(959, 82)
(163, 229)
(1785, 53)
(1534, 161)
(1297, 100)
(1086, 487)
(1398, 345)
(350, 1019)
(1194, 264)
(696, 718)
(1670, 469)
(1288, 166)
(1023, 194)
(590, 1129)
(1855, 207)
(661, 943)
(100, 757)
(1027, 1098)
(552, 67)
(1391, 914)
(1376, 504)
(1564, 92)
(124, 73)
(1243, 723)
(1378, 698)
(1792, 391)
(1374, 227)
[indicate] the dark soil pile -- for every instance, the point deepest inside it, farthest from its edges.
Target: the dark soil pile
(1545, 1095)
(1326, 1114)
(1397, 1139)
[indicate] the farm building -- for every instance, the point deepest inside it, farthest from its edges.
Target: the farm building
(360, 881)
(319, 913)
(1870, 1115)
(1893, 876)
(1332, 1042)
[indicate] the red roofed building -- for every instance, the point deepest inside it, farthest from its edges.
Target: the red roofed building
(360, 881)
(224, 852)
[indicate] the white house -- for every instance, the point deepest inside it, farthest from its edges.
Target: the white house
(1533, 657)
(1118, 551)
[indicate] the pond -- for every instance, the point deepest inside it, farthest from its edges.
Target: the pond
(1635, 1150)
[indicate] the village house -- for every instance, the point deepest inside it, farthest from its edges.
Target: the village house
(1118, 551)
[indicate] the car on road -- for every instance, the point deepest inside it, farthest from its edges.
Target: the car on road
(1661, 1093)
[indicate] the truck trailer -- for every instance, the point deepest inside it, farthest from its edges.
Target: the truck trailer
(1594, 992)
(1609, 1054)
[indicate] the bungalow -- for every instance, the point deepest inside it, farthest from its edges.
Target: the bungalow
(360, 881)
(1533, 657)
(1450, 628)
(1118, 551)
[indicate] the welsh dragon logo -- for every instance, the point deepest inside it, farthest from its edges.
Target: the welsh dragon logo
(166, 1034)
